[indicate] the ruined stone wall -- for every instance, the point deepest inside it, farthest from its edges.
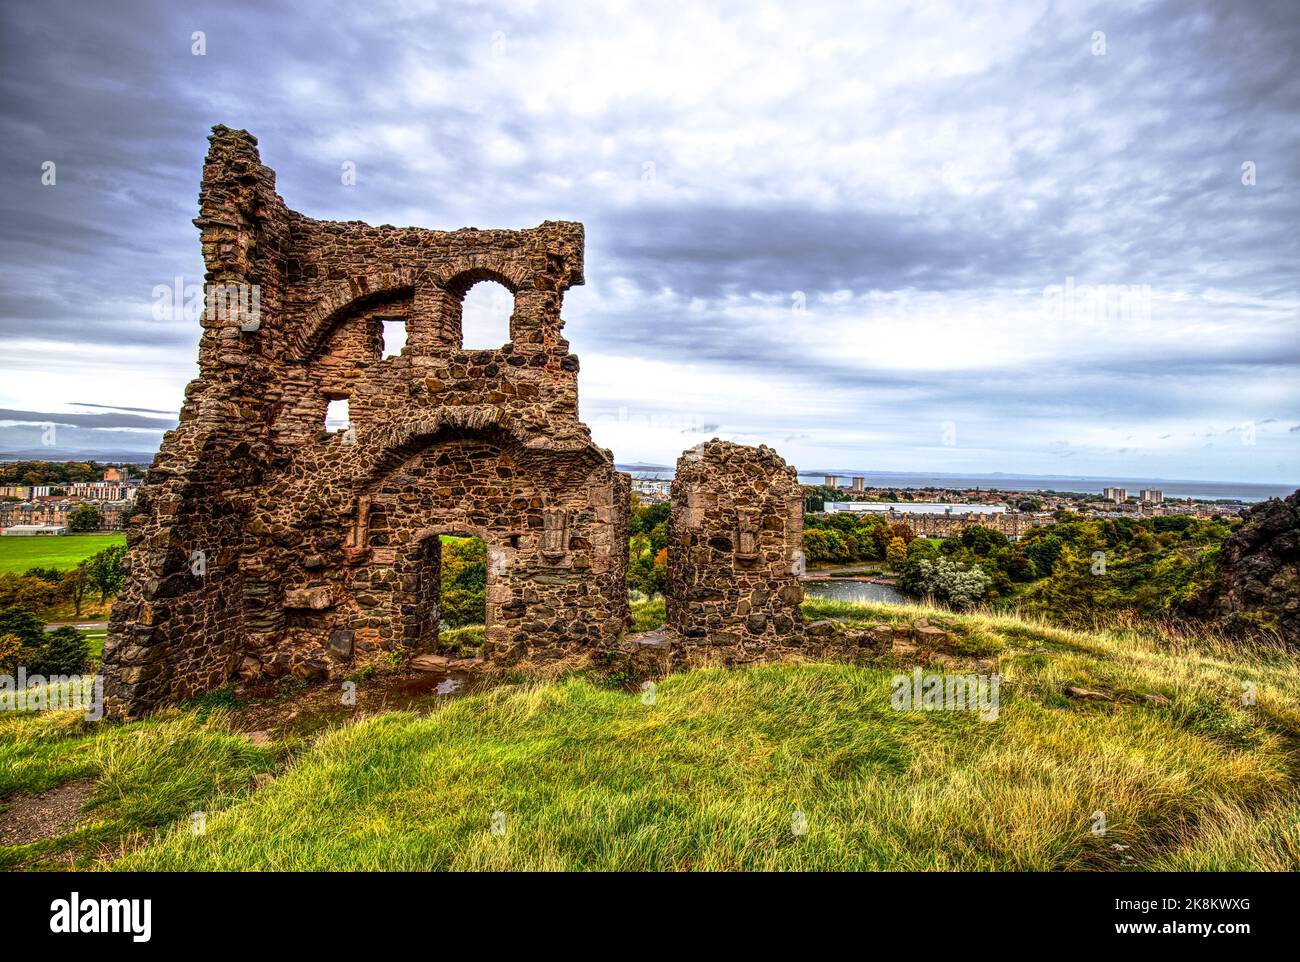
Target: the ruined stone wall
(315, 546)
(735, 547)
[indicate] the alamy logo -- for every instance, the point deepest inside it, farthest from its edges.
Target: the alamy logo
(921, 692)
(83, 693)
(237, 303)
(73, 915)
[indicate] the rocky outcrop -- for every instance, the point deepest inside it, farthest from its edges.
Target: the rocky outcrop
(1257, 590)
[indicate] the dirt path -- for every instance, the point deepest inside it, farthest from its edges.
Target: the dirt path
(31, 818)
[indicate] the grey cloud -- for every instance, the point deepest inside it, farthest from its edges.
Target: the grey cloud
(113, 420)
(1131, 161)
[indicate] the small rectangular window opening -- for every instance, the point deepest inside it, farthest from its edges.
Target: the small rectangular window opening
(394, 337)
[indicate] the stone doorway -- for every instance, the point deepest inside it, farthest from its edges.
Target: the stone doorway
(443, 587)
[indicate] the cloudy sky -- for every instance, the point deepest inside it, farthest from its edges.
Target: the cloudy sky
(1050, 238)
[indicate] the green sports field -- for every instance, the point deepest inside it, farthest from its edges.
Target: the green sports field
(17, 554)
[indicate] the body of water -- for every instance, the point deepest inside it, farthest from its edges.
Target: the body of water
(1202, 490)
(847, 589)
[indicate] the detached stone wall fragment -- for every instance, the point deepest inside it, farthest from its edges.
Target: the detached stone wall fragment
(735, 548)
(267, 545)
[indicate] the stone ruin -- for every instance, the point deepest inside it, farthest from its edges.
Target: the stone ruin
(265, 545)
(735, 540)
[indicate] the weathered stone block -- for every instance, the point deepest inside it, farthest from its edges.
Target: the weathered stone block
(312, 599)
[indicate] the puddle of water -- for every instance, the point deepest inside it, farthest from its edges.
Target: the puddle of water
(410, 692)
(847, 589)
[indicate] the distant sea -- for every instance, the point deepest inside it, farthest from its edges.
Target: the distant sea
(1029, 483)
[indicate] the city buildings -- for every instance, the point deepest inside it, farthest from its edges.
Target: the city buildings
(42, 508)
(938, 520)
(653, 490)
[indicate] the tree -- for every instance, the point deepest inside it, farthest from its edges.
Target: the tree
(29, 629)
(835, 550)
(106, 571)
(26, 592)
(1044, 552)
(815, 548)
(84, 517)
(922, 548)
(13, 652)
(885, 533)
(74, 586)
(644, 519)
(65, 652)
(463, 594)
(982, 540)
(896, 553)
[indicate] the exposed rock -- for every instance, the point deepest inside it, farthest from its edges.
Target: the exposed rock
(312, 599)
(1084, 694)
(430, 663)
(341, 642)
(928, 635)
(1257, 588)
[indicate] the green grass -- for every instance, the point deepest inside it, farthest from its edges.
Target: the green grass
(648, 614)
(17, 554)
(711, 775)
(147, 775)
(95, 636)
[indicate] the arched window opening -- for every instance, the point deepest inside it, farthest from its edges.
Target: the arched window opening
(336, 415)
(394, 336)
(485, 317)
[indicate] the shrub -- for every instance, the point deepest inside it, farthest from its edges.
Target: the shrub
(65, 652)
(29, 629)
(12, 652)
(26, 592)
(52, 575)
(952, 582)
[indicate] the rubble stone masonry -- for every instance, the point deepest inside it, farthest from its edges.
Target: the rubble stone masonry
(735, 548)
(265, 545)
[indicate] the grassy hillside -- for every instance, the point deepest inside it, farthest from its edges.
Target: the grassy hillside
(712, 774)
(17, 554)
